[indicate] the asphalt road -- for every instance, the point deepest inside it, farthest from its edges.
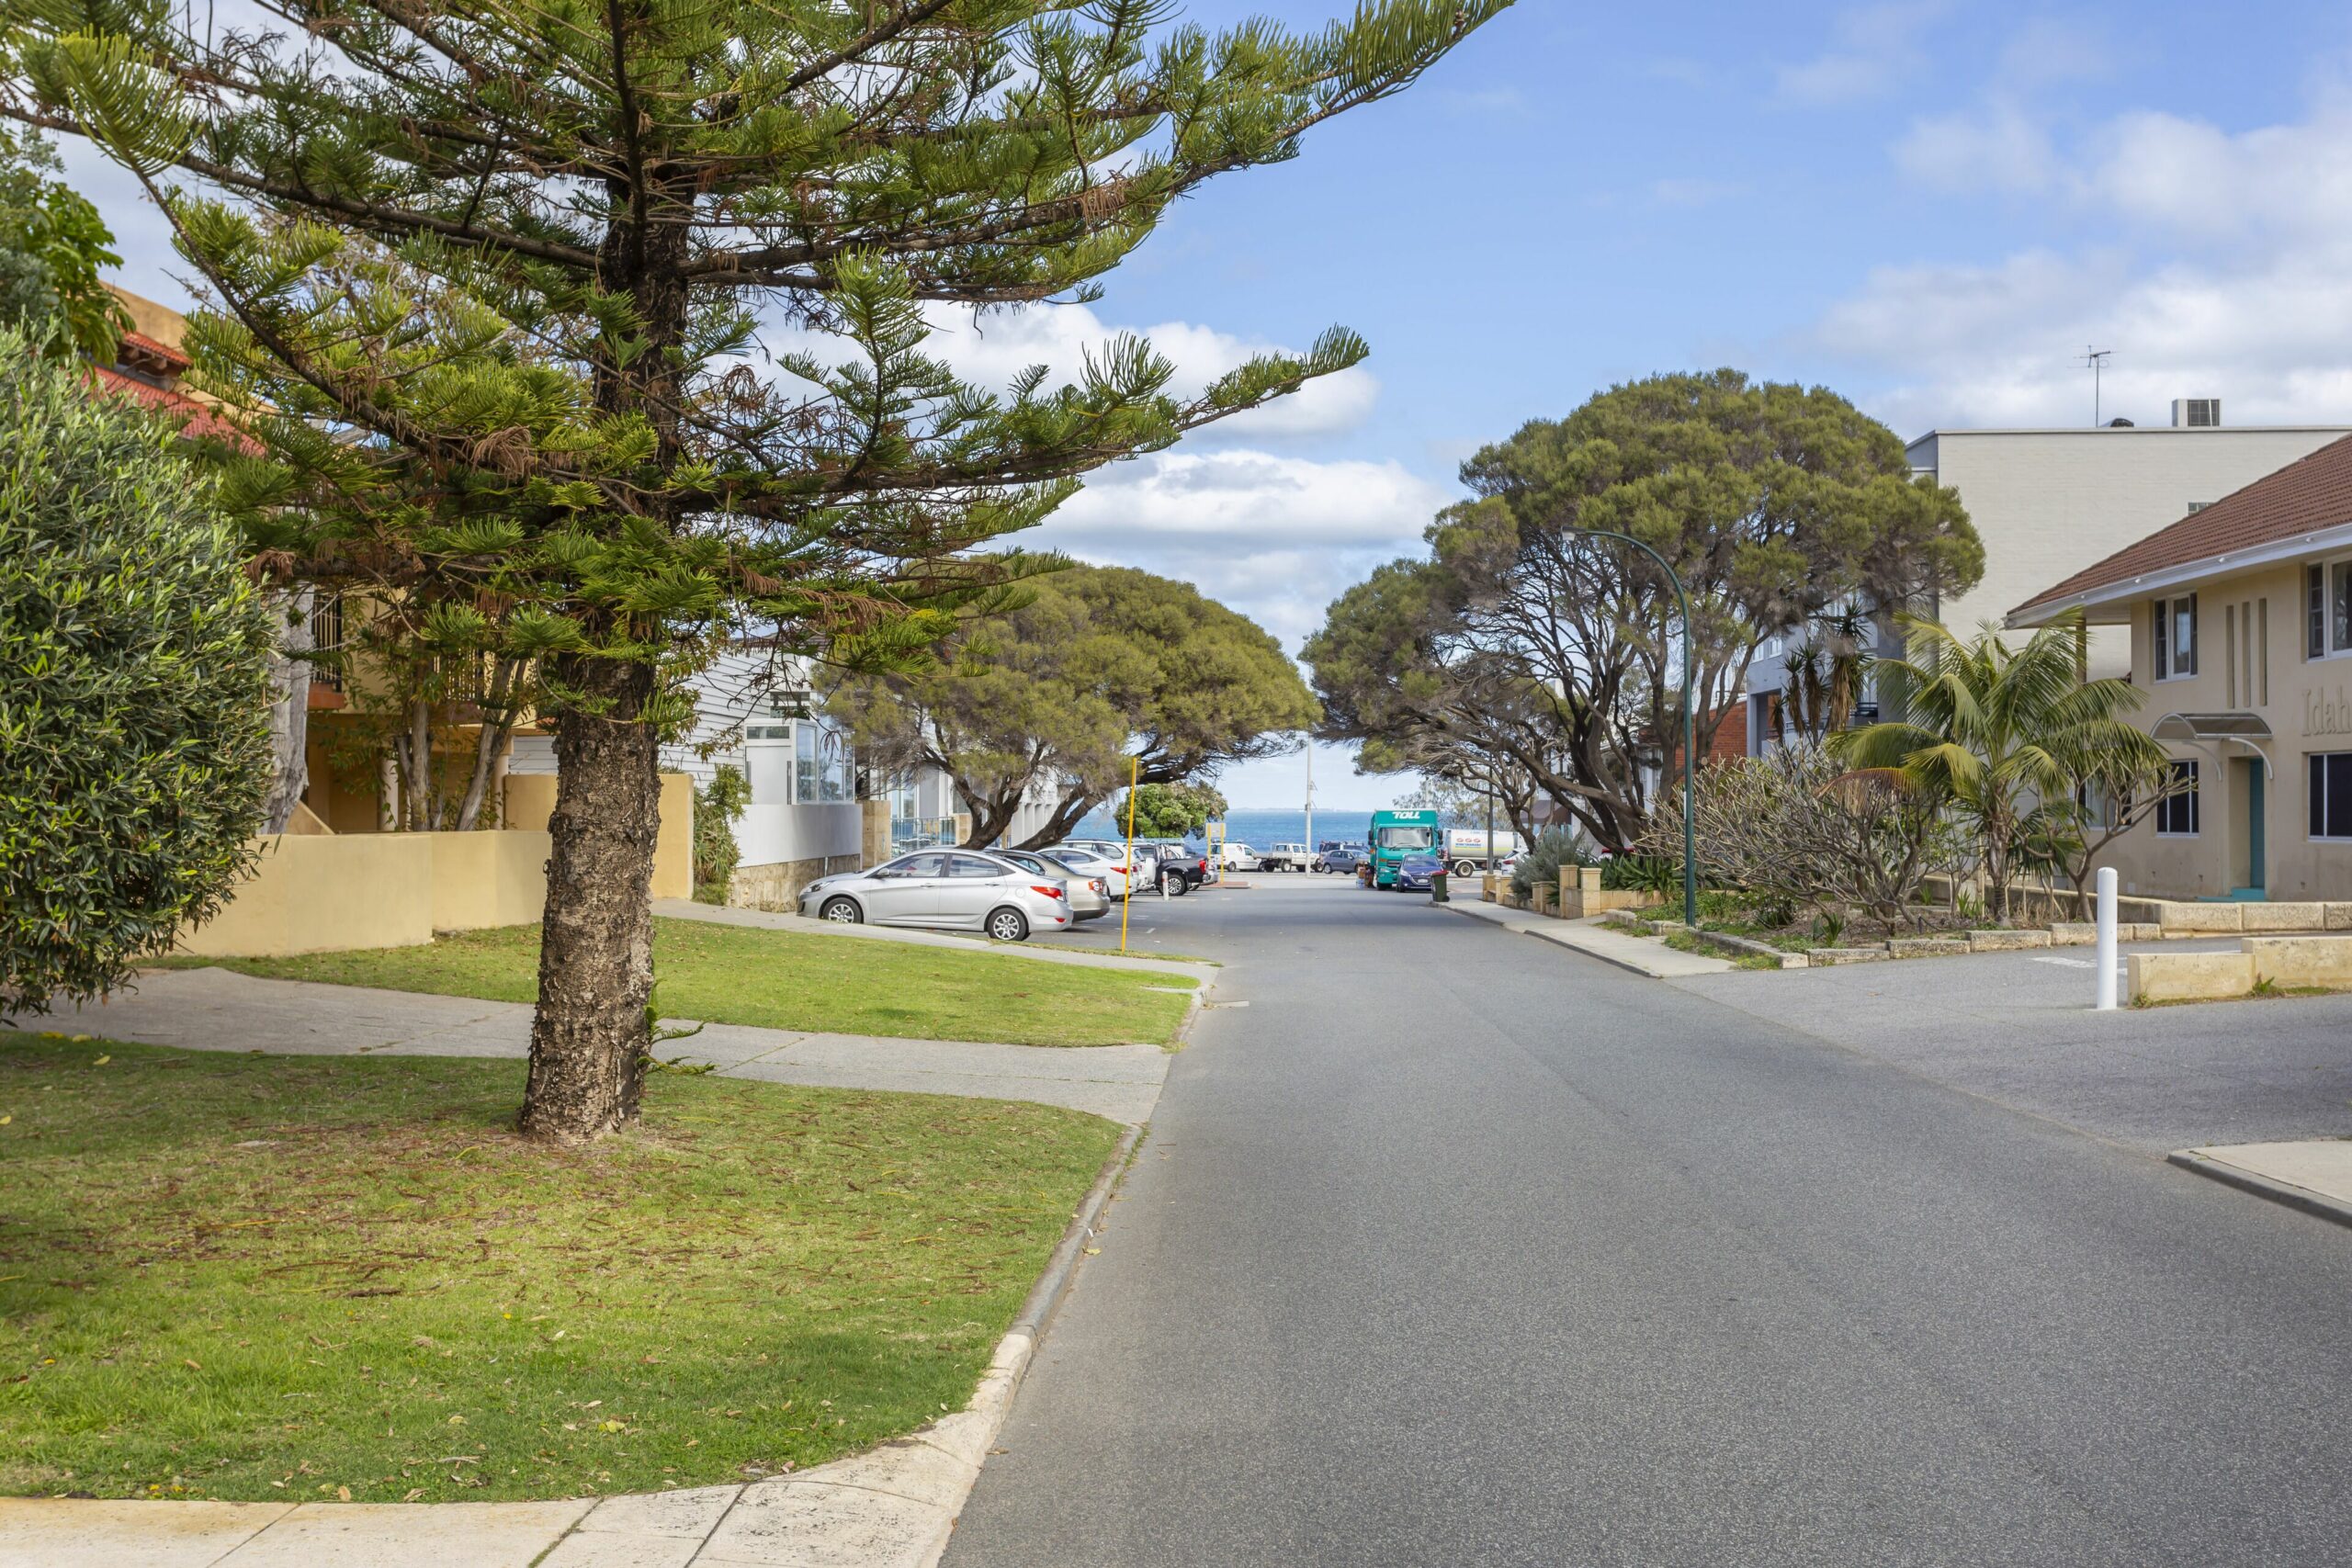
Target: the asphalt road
(1456, 1248)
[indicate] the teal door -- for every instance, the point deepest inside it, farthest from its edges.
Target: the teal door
(2257, 877)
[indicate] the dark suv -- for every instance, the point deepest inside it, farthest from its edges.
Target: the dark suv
(1181, 869)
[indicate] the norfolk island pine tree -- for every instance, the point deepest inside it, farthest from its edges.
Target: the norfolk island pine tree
(591, 203)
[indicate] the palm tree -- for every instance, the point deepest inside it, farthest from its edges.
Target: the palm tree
(1824, 676)
(1997, 732)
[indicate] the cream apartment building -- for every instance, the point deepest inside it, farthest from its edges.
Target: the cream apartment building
(2237, 619)
(2049, 503)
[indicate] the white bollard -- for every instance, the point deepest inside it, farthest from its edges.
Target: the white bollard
(2107, 960)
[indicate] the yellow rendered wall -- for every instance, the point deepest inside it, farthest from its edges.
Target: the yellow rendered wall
(673, 852)
(530, 801)
(487, 879)
(319, 893)
(323, 893)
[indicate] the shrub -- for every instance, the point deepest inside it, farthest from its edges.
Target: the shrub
(134, 689)
(717, 804)
(1656, 875)
(1540, 867)
(1797, 828)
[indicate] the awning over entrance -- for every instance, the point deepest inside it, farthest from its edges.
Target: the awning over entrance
(2246, 726)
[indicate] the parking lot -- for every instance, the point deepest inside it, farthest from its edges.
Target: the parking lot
(2017, 1028)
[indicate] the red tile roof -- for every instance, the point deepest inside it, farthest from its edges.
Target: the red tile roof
(2305, 497)
(197, 420)
(144, 346)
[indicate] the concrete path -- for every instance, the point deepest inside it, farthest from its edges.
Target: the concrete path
(2310, 1174)
(1639, 954)
(1457, 1249)
(769, 919)
(219, 1010)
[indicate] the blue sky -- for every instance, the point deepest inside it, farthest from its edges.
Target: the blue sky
(1930, 207)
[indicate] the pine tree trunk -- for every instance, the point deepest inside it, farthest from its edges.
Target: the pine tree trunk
(590, 1036)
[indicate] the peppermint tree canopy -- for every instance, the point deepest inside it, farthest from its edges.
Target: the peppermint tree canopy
(501, 268)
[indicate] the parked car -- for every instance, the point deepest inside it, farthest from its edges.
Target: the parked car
(1084, 859)
(1174, 868)
(1239, 857)
(952, 890)
(1090, 896)
(1290, 857)
(1340, 857)
(1414, 872)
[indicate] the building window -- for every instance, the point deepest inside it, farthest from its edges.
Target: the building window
(2331, 795)
(2327, 609)
(326, 639)
(2176, 813)
(823, 770)
(2173, 623)
(774, 720)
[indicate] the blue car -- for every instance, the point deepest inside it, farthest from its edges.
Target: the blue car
(1340, 857)
(1415, 872)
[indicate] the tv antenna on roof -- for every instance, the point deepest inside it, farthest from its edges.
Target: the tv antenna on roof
(2097, 359)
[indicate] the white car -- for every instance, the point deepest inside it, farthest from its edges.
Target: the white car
(1082, 857)
(957, 889)
(1290, 857)
(1239, 857)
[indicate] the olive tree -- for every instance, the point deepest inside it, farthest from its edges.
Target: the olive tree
(134, 689)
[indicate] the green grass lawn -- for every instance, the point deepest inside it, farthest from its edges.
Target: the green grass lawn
(779, 979)
(303, 1278)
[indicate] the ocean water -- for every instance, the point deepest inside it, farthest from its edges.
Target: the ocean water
(1259, 828)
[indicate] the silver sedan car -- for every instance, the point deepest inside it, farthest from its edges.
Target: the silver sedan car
(1089, 893)
(952, 889)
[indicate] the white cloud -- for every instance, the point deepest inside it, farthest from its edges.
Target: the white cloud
(1873, 50)
(1275, 536)
(1999, 147)
(2216, 270)
(993, 349)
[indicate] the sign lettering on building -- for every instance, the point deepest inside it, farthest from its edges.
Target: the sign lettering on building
(2327, 712)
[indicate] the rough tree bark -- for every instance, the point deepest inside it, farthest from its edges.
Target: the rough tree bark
(590, 1036)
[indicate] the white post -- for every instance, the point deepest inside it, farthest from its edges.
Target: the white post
(2107, 960)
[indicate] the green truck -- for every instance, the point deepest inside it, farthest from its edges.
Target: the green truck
(1398, 836)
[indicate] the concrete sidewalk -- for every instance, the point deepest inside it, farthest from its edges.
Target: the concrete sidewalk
(1639, 954)
(2310, 1174)
(219, 1010)
(770, 919)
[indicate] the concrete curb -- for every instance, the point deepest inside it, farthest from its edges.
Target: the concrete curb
(2293, 1197)
(1045, 1297)
(919, 1482)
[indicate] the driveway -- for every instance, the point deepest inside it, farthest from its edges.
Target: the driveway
(2017, 1029)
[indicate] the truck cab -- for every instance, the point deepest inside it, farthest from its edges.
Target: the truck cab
(1398, 836)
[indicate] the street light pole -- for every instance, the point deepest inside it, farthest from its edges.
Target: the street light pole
(1690, 728)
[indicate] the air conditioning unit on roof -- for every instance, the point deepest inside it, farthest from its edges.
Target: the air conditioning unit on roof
(2196, 413)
